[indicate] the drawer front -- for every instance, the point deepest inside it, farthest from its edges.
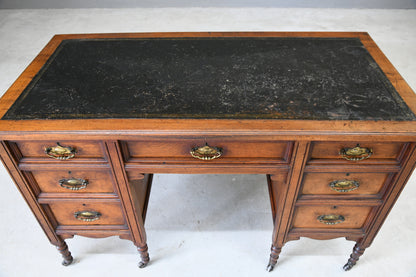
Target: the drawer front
(77, 181)
(231, 149)
(110, 213)
(380, 150)
(82, 149)
(343, 183)
(353, 217)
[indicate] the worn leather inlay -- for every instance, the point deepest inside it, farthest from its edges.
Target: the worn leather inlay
(241, 78)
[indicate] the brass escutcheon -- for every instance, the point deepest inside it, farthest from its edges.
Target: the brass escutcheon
(73, 183)
(356, 153)
(344, 185)
(87, 216)
(331, 219)
(60, 152)
(206, 152)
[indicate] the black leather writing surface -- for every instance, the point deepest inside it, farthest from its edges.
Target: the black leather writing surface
(244, 78)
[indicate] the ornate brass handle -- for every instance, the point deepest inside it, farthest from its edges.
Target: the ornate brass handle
(206, 152)
(344, 185)
(356, 153)
(87, 215)
(73, 183)
(331, 219)
(60, 152)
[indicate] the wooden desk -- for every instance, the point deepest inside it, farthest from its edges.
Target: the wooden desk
(324, 115)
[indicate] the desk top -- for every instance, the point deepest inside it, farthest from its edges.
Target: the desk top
(320, 78)
(261, 80)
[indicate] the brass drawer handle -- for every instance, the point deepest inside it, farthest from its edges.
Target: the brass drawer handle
(331, 219)
(344, 185)
(60, 152)
(356, 153)
(73, 183)
(206, 152)
(87, 216)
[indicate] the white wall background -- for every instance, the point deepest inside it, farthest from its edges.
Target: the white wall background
(53, 4)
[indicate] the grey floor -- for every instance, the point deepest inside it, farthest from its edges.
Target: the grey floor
(203, 225)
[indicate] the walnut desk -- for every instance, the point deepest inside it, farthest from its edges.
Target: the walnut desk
(324, 115)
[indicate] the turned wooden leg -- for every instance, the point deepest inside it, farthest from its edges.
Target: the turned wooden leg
(63, 249)
(144, 255)
(274, 255)
(357, 251)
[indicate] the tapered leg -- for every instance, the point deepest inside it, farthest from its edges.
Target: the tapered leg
(63, 249)
(274, 255)
(144, 255)
(357, 251)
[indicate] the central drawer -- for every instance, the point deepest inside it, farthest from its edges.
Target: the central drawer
(231, 150)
